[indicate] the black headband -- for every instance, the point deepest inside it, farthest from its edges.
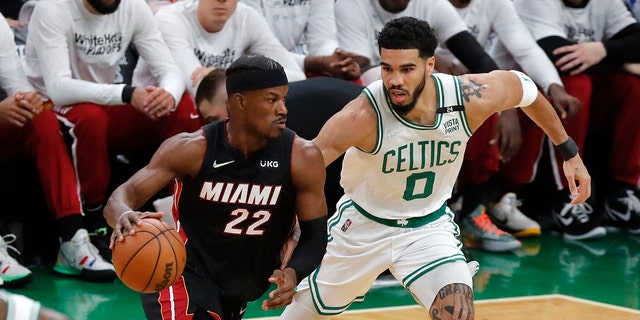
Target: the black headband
(259, 79)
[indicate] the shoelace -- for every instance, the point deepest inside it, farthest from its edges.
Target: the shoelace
(582, 211)
(485, 224)
(7, 240)
(632, 202)
(85, 241)
(513, 204)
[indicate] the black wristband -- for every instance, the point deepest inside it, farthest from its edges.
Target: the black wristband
(568, 149)
(127, 93)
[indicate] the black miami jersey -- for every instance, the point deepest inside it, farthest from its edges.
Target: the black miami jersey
(237, 213)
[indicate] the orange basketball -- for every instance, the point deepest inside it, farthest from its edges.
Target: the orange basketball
(151, 259)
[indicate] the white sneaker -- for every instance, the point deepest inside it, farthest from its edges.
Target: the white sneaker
(12, 273)
(506, 216)
(474, 267)
(79, 257)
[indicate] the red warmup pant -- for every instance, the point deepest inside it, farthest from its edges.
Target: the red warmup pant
(615, 108)
(523, 167)
(99, 130)
(609, 103)
(41, 139)
(481, 158)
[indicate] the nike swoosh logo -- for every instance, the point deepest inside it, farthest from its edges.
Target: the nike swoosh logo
(565, 221)
(393, 133)
(193, 116)
(617, 215)
(217, 165)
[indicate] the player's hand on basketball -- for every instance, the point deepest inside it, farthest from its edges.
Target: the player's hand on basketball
(283, 295)
(125, 224)
(575, 171)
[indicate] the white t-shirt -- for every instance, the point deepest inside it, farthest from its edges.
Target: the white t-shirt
(12, 78)
(72, 55)
(192, 46)
(491, 21)
(303, 27)
(598, 21)
(360, 21)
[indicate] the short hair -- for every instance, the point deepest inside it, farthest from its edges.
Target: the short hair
(408, 33)
(265, 73)
(209, 85)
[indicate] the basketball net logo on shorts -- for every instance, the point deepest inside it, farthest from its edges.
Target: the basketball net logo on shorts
(346, 225)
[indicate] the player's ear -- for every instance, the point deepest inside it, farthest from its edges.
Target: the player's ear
(239, 100)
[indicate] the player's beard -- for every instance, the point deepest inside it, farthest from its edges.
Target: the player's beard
(103, 8)
(404, 109)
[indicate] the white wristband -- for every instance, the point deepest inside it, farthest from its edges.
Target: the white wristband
(122, 214)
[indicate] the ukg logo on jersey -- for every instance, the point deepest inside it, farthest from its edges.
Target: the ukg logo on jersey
(105, 44)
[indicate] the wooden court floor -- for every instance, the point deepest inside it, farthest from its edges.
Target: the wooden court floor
(552, 307)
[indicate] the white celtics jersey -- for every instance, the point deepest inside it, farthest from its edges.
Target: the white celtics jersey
(413, 168)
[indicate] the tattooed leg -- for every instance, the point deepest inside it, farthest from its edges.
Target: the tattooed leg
(453, 301)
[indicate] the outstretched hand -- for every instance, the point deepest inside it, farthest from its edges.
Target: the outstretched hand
(125, 224)
(283, 295)
(575, 171)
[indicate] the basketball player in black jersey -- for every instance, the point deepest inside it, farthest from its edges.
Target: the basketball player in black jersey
(239, 185)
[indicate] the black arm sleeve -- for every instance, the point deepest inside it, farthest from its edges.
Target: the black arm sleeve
(311, 247)
(467, 49)
(624, 45)
(551, 43)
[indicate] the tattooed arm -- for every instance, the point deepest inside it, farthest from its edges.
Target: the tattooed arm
(496, 91)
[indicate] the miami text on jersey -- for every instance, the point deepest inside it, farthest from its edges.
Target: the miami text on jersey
(244, 193)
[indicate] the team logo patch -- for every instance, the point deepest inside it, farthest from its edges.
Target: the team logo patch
(346, 225)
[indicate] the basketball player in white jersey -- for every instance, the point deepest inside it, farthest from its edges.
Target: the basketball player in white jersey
(404, 139)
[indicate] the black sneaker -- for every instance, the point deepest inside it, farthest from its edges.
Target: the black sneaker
(622, 211)
(100, 238)
(576, 222)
